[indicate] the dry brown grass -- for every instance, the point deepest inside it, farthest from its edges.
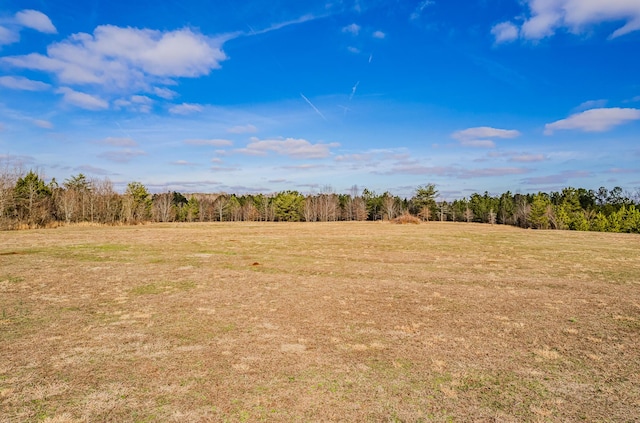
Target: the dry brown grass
(318, 322)
(405, 219)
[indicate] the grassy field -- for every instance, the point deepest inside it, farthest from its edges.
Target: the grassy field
(318, 322)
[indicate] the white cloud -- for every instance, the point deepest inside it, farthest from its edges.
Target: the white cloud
(379, 35)
(127, 59)
(121, 156)
(35, 20)
(291, 147)
(165, 93)
(45, 124)
(185, 109)
(280, 25)
(591, 104)
(548, 16)
(135, 103)
(528, 158)
(560, 178)
(22, 83)
(8, 36)
(481, 136)
(493, 172)
(418, 11)
(183, 163)
(212, 142)
(478, 143)
(353, 29)
(82, 100)
(353, 50)
(594, 120)
(10, 31)
(505, 32)
(119, 142)
(243, 129)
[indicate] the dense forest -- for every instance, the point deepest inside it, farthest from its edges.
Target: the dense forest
(27, 201)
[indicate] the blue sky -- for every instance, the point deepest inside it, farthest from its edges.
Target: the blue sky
(255, 96)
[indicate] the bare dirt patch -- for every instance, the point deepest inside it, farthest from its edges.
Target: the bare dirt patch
(318, 322)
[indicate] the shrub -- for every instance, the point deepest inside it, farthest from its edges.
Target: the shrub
(406, 218)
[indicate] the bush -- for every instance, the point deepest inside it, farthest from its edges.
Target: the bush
(406, 219)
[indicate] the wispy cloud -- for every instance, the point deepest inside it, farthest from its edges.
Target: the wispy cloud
(93, 170)
(8, 36)
(22, 83)
(82, 100)
(280, 25)
(353, 90)
(528, 158)
(291, 147)
(505, 32)
(493, 172)
(243, 129)
(379, 35)
(558, 178)
(16, 160)
(183, 163)
(216, 142)
(353, 29)
(185, 109)
(135, 103)
(41, 123)
(119, 142)
(223, 169)
(165, 93)
(417, 13)
(121, 156)
(594, 120)
(619, 170)
(590, 104)
(482, 136)
(417, 169)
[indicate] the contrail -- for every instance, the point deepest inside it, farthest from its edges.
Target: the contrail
(353, 90)
(314, 107)
(344, 108)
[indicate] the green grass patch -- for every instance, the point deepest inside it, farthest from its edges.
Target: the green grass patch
(11, 279)
(163, 287)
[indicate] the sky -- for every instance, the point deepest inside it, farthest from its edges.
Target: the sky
(314, 96)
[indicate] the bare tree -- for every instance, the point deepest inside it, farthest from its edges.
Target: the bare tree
(108, 202)
(468, 214)
(492, 217)
(8, 180)
(425, 213)
(249, 211)
(310, 209)
(389, 205)
(220, 206)
(163, 207)
(359, 209)
(67, 203)
(327, 204)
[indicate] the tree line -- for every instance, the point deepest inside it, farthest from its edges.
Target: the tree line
(27, 201)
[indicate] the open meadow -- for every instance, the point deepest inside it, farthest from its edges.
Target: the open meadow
(318, 322)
